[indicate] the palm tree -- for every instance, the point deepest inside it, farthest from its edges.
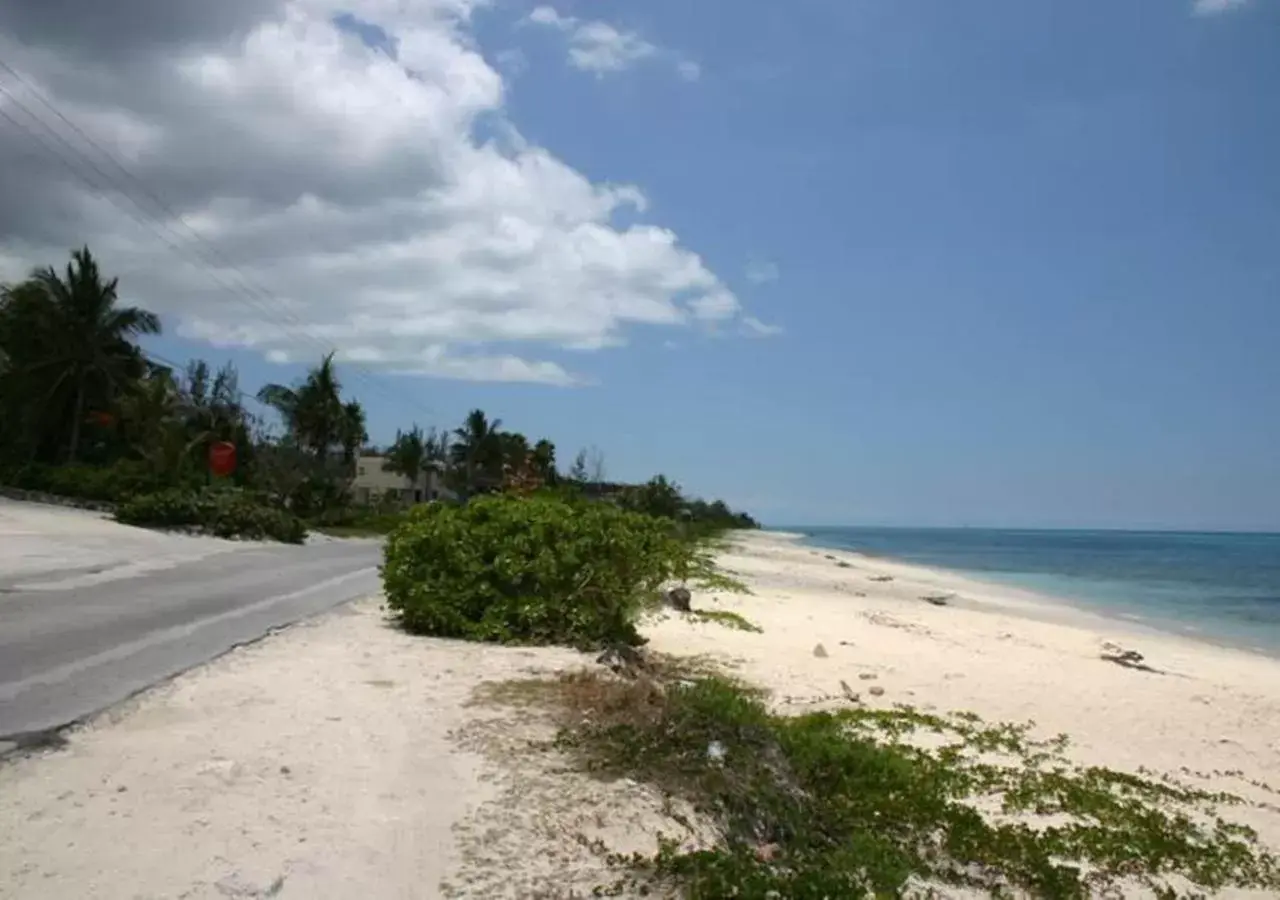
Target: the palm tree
(408, 455)
(477, 452)
(79, 343)
(156, 422)
(313, 412)
(436, 444)
(351, 431)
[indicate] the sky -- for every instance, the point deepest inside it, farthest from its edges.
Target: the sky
(903, 262)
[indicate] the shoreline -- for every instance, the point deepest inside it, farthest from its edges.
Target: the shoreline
(1050, 603)
(829, 622)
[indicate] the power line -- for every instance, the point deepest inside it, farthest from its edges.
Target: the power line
(255, 296)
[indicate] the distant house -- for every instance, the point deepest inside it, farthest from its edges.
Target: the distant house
(374, 483)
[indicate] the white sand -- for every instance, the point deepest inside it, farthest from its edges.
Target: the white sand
(1004, 654)
(342, 758)
(46, 547)
(337, 759)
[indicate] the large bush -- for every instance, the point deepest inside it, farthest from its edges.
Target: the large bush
(224, 513)
(541, 570)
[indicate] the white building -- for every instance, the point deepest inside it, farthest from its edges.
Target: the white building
(374, 483)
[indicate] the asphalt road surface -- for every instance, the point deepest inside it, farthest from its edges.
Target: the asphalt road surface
(70, 650)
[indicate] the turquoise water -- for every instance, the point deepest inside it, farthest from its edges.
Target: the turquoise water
(1222, 587)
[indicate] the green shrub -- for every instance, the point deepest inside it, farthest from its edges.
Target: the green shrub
(543, 569)
(224, 513)
(103, 484)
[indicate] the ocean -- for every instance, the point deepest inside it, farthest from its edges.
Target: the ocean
(1220, 587)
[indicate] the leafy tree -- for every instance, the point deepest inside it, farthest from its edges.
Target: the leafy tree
(578, 471)
(658, 497)
(543, 459)
(476, 453)
(408, 455)
(70, 347)
(352, 432)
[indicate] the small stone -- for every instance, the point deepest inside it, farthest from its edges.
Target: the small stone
(285, 770)
(876, 691)
(679, 598)
(868, 676)
(820, 651)
(121, 789)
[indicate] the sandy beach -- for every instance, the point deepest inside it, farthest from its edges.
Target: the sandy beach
(344, 758)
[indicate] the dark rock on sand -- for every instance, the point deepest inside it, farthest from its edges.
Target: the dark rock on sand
(1129, 659)
(679, 598)
(623, 660)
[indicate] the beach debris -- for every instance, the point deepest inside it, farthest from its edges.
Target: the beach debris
(849, 693)
(859, 593)
(875, 691)
(938, 599)
(716, 752)
(829, 556)
(820, 651)
(679, 598)
(767, 852)
(868, 676)
(623, 660)
(846, 643)
(1129, 659)
(844, 565)
(882, 578)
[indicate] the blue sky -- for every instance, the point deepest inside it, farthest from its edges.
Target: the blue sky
(1027, 258)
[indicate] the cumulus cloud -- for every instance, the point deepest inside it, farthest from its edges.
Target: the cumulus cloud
(319, 191)
(600, 48)
(1216, 7)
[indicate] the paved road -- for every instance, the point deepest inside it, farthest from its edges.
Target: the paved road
(66, 653)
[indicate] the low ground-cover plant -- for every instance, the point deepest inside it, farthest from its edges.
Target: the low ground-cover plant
(224, 512)
(543, 569)
(867, 802)
(727, 618)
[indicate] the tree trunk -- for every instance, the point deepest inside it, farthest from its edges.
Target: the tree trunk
(77, 414)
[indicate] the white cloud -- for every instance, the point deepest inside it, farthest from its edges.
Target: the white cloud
(1216, 7)
(343, 196)
(601, 48)
(762, 271)
(689, 70)
(753, 327)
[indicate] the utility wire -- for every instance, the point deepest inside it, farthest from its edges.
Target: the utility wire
(246, 292)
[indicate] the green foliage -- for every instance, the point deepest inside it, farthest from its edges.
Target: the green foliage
(697, 519)
(543, 570)
(85, 414)
(861, 802)
(316, 417)
(102, 484)
(357, 522)
(227, 513)
(727, 618)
